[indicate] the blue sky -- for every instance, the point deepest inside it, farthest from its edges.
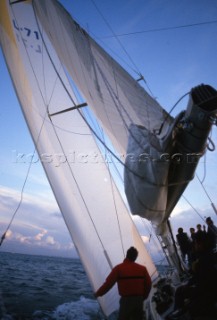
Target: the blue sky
(172, 62)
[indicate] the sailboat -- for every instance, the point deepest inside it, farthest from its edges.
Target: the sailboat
(86, 112)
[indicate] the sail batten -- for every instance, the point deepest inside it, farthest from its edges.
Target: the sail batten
(69, 109)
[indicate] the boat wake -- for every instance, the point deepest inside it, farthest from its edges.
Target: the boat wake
(84, 309)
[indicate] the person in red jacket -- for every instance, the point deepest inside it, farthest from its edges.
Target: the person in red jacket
(134, 285)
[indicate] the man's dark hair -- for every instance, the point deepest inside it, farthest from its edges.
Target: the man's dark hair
(132, 254)
(202, 242)
(209, 220)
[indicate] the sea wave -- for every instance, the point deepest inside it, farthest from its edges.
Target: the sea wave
(45, 288)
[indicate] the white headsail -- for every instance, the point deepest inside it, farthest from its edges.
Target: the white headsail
(96, 216)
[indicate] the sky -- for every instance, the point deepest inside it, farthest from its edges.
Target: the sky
(172, 60)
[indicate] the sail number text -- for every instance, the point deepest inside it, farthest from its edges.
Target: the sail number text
(28, 36)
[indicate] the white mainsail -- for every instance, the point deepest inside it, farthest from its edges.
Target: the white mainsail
(96, 216)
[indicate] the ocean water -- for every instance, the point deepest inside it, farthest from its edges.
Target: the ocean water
(45, 288)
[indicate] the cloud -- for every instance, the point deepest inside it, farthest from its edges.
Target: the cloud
(23, 239)
(40, 235)
(31, 241)
(38, 226)
(8, 234)
(11, 197)
(34, 212)
(50, 241)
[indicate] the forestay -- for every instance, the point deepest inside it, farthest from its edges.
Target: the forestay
(95, 214)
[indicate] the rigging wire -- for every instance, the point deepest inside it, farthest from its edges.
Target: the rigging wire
(153, 237)
(193, 207)
(20, 201)
(141, 77)
(206, 192)
(204, 169)
(202, 185)
(114, 35)
(201, 181)
(164, 28)
(169, 113)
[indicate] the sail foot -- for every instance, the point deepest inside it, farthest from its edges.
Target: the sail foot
(157, 171)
